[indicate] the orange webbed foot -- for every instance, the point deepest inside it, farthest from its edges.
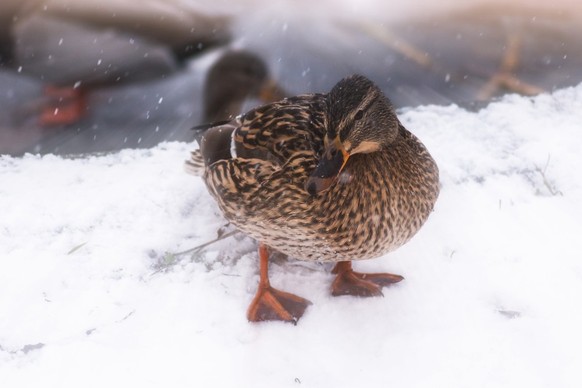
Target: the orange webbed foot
(271, 304)
(349, 282)
(66, 106)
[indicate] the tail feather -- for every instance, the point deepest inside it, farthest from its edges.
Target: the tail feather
(195, 165)
(215, 139)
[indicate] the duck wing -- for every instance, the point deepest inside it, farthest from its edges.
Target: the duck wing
(284, 128)
(271, 152)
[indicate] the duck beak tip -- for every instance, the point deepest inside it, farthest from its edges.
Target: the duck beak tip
(328, 169)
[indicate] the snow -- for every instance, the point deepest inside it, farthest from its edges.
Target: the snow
(89, 295)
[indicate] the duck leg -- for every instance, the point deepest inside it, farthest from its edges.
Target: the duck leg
(271, 304)
(349, 282)
(505, 77)
(66, 106)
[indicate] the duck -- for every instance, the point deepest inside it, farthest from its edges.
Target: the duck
(325, 177)
(75, 47)
(225, 80)
(236, 76)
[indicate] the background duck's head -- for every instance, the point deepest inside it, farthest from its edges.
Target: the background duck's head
(236, 76)
(360, 120)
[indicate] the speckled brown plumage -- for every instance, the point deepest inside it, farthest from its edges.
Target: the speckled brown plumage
(323, 177)
(377, 204)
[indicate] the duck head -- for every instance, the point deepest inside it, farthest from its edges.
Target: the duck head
(360, 119)
(236, 76)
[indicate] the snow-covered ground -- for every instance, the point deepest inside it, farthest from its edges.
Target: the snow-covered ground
(91, 295)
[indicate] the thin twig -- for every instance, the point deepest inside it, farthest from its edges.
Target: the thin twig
(548, 185)
(199, 247)
(169, 258)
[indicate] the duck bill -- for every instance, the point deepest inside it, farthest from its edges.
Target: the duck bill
(328, 169)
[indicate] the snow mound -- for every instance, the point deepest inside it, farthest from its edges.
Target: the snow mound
(92, 291)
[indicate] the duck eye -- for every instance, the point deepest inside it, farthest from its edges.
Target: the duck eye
(359, 115)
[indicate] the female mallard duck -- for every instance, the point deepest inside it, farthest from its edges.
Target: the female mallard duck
(320, 177)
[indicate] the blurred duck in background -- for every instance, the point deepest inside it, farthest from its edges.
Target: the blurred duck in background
(74, 47)
(236, 77)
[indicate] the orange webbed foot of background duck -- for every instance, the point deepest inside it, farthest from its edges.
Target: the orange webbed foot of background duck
(66, 105)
